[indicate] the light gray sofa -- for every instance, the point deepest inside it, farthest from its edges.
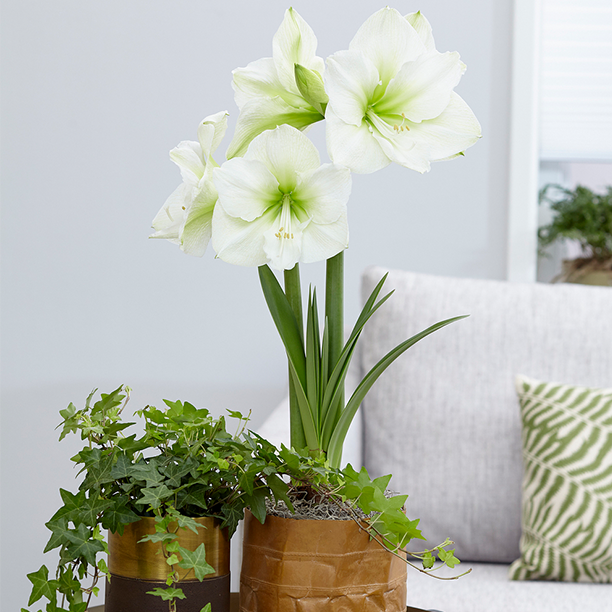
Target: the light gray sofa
(444, 420)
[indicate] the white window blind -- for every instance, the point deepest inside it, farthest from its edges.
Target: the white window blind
(576, 80)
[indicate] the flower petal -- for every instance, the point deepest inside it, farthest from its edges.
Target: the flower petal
(260, 79)
(423, 29)
(325, 193)
(350, 80)
(421, 90)
(284, 250)
(286, 152)
(352, 146)
(389, 41)
(240, 242)
(198, 224)
(322, 241)
(261, 114)
(187, 155)
(169, 220)
(246, 188)
(448, 134)
(402, 149)
(211, 131)
(294, 43)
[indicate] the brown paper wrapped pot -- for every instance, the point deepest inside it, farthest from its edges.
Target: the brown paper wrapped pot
(292, 565)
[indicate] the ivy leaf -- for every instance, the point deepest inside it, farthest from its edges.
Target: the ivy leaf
(279, 489)
(154, 496)
(83, 545)
(167, 594)
(122, 467)
(396, 502)
(233, 516)
(108, 401)
(172, 559)
(147, 472)
(173, 546)
(68, 584)
(196, 560)
(194, 496)
(292, 460)
(185, 522)
(92, 509)
(72, 505)
(175, 472)
(382, 482)
(103, 568)
(99, 473)
(117, 517)
(428, 560)
(70, 422)
(162, 536)
(42, 586)
(207, 608)
(448, 557)
(130, 445)
(78, 607)
(59, 529)
(257, 503)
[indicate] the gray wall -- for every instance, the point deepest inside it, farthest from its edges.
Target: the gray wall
(94, 95)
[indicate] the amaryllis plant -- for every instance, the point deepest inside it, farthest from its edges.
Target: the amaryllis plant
(272, 204)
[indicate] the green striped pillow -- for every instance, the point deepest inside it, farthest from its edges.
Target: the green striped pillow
(567, 483)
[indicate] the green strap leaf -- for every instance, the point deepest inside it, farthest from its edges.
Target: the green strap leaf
(310, 431)
(337, 440)
(285, 321)
(313, 359)
(332, 403)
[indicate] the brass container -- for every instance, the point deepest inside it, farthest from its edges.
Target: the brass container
(130, 558)
(137, 568)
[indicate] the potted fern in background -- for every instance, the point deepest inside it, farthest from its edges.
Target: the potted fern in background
(584, 216)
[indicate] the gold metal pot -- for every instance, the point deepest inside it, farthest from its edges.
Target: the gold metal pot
(138, 567)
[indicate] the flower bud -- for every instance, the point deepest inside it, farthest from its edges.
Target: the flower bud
(310, 84)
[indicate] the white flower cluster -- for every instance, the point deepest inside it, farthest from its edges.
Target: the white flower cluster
(388, 98)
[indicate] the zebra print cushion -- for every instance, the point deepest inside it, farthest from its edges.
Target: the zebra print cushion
(567, 483)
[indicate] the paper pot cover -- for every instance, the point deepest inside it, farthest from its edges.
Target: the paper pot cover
(292, 565)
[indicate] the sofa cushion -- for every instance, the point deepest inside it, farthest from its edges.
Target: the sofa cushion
(487, 589)
(444, 418)
(567, 483)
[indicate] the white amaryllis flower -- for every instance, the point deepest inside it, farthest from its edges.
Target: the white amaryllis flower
(266, 91)
(278, 205)
(186, 217)
(391, 98)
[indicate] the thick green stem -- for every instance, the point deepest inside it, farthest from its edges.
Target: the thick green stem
(334, 306)
(293, 291)
(334, 314)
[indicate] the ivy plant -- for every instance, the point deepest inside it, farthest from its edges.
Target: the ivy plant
(365, 500)
(185, 465)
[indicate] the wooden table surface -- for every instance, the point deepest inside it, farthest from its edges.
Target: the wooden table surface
(235, 606)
